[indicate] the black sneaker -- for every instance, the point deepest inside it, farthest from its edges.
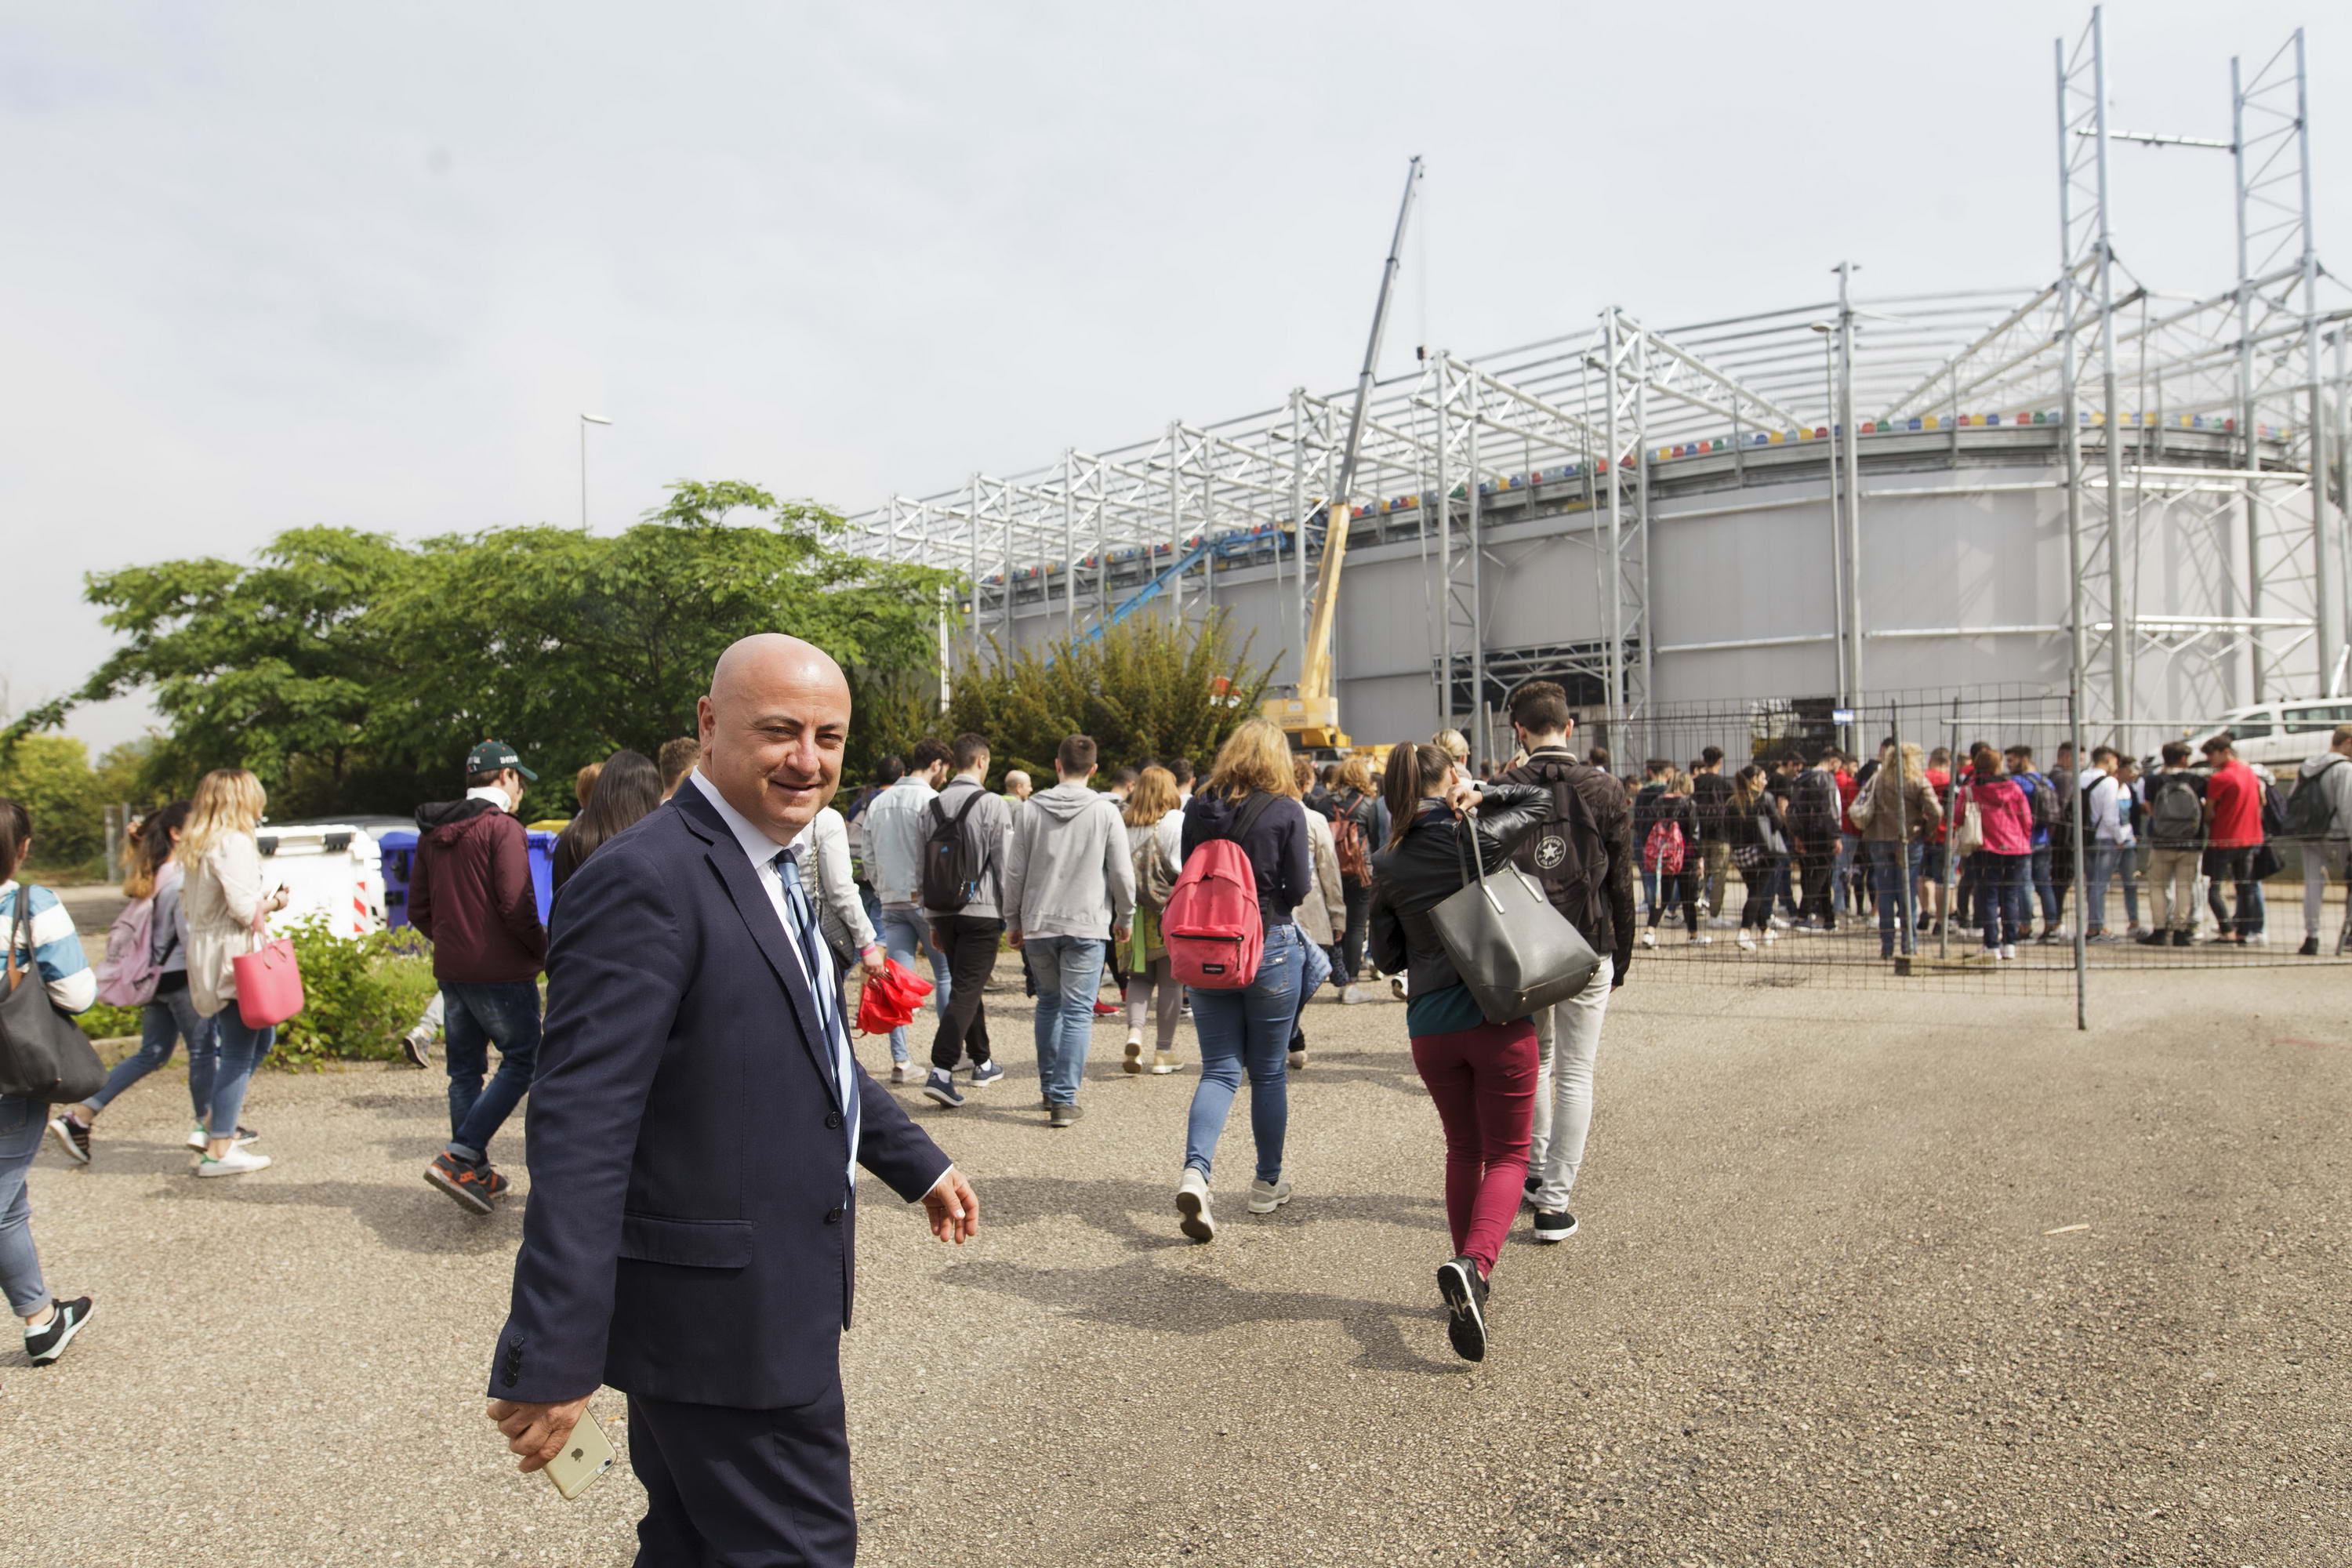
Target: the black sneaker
(1466, 1298)
(2156, 939)
(1554, 1224)
(468, 1186)
(1063, 1115)
(1527, 1193)
(2310, 949)
(2182, 939)
(940, 1086)
(44, 1345)
(73, 1136)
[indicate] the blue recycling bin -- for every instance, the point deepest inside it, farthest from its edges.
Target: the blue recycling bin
(399, 847)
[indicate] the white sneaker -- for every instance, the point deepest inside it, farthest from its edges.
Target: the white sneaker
(1397, 987)
(236, 1163)
(1746, 943)
(1352, 995)
(1700, 939)
(1649, 937)
(1267, 1196)
(1771, 935)
(1193, 1203)
(2009, 950)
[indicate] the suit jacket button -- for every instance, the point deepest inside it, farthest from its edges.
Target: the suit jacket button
(510, 1378)
(833, 1119)
(833, 1216)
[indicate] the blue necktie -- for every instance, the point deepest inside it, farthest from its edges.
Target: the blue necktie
(818, 965)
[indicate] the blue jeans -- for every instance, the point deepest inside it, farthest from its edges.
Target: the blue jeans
(1892, 875)
(2094, 898)
(241, 1051)
(906, 932)
(1068, 972)
(2043, 888)
(1842, 877)
(1248, 1029)
(22, 1122)
(163, 1025)
(2001, 898)
(476, 1014)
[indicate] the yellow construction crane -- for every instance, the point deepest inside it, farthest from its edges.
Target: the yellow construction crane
(1312, 717)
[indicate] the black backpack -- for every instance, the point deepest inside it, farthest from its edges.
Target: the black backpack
(2310, 814)
(1569, 857)
(952, 863)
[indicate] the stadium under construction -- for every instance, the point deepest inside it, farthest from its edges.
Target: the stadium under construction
(2093, 485)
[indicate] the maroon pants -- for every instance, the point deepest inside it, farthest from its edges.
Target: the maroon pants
(1483, 1082)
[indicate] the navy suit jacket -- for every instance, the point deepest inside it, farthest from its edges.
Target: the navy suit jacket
(691, 1231)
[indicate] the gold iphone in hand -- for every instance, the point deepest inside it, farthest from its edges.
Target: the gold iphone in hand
(587, 1455)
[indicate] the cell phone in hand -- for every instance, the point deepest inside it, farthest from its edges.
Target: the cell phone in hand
(587, 1455)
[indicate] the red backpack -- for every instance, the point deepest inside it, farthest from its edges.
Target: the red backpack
(1663, 850)
(1210, 925)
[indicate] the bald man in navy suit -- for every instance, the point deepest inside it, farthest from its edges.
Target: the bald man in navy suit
(696, 1131)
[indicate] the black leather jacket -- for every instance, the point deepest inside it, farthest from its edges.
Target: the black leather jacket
(1429, 864)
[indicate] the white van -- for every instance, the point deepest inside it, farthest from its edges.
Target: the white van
(331, 869)
(2281, 735)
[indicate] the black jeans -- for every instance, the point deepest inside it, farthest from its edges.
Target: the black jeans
(2234, 866)
(1815, 865)
(1358, 899)
(970, 943)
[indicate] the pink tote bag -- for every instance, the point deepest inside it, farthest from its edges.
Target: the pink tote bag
(269, 982)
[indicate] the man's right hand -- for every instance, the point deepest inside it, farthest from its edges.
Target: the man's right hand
(536, 1432)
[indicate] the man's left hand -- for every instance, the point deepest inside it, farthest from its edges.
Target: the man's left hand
(1118, 933)
(953, 1208)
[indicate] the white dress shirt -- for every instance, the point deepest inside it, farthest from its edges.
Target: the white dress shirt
(825, 988)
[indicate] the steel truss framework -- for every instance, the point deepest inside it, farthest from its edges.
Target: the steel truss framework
(2144, 385)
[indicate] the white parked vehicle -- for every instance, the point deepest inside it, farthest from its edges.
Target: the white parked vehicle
(330, 869)
(2279, 734)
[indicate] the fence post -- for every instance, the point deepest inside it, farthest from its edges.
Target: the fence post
(1951, 836)
(1907, 902)
(118, 829)
(2073, 807)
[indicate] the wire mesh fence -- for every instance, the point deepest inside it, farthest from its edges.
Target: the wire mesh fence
(1827, 901)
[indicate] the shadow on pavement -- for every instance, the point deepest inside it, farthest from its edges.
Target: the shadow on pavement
(1139, 1295)
(1111, 1206)
(423, 1222)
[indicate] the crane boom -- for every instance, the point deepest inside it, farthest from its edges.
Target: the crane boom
(1314, 714)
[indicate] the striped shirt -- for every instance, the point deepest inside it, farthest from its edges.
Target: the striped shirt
(57, 948)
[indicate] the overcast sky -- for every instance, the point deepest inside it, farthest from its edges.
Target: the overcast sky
(278, 265)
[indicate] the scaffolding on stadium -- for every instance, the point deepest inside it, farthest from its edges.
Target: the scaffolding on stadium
(2229, 409)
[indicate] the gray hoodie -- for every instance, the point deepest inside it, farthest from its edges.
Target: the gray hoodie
(2337, 783)
(1069, 873)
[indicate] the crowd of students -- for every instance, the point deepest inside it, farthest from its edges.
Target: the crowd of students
(1337, 866)
(1920, 848)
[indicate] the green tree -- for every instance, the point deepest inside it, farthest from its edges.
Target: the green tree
(352, 671)
(50, 777)
(1145, 688)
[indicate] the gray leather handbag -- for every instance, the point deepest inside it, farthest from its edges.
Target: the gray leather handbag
(1515, 952)
(44, 1056)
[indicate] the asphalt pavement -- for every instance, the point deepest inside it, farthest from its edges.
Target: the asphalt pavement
(1861, 1278)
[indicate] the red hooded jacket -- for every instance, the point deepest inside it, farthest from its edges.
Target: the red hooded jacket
(470, 894)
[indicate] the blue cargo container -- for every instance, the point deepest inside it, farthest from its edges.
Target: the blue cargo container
(399, 847)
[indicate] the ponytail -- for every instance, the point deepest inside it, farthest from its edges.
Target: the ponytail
(1410, 771)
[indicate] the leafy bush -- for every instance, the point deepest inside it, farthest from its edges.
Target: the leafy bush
(1144, 688)
(360, 995)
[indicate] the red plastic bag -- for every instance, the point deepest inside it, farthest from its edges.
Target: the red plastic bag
(888, 1002)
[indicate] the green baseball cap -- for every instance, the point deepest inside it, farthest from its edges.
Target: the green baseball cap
(491, 756)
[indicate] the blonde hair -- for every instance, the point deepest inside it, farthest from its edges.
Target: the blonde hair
(1453, 744)
(1255, 758)
(228, 801)
(1153, 797)
(1356, 773)
(138, 866)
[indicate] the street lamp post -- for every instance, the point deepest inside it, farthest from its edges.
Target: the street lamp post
(1838, 565)
(585, 421)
